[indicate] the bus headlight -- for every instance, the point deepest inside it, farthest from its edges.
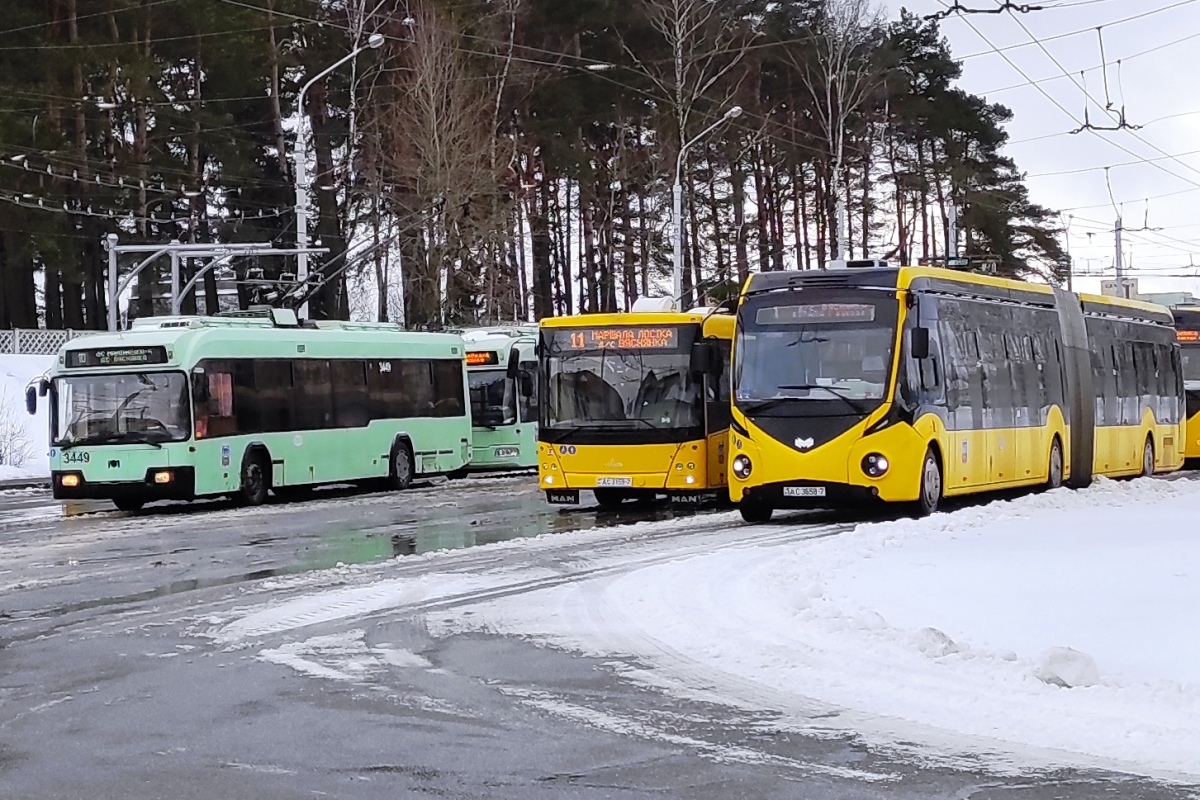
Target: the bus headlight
(742, 466)
(875, 465)
(163, 476)
(70, 481)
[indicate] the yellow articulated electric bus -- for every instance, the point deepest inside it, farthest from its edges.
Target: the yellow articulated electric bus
(634, 406)
(1187, 332)
(914, 384)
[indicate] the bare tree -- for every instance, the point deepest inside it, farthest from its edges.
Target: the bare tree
(16, 448)
(838, 73)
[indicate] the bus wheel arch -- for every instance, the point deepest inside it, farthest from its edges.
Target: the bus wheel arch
(255, 477)
(402, 465)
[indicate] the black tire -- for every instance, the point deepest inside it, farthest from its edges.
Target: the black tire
(1054, 473)
(610, 498)
(1148, 458)
(755, 513)
(255, 480)
(402, 468)
(931, 485)
(129, 504)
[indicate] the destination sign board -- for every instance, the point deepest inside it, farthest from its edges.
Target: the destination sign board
(116, 357)
(617, 338)
(814, 313)
(483, 358)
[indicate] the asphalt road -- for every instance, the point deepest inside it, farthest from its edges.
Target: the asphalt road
(118, 678)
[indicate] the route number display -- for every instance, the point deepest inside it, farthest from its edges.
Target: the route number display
(618, 338)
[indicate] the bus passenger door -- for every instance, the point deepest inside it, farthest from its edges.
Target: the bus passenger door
(1000, 412)
(717, 418)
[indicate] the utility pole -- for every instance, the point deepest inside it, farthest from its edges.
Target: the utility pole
(1120, 264)
(952, 215)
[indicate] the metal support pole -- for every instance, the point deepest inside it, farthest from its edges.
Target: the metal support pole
(113, 296)
(174, 276)
(952, 215)
(677, 239)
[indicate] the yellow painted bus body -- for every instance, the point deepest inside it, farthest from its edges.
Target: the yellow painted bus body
(625, 464)
(972, 458)
(1187, 332)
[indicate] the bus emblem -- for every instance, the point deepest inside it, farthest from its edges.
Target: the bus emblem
(225, 455)
(566, 450)
(804, 444)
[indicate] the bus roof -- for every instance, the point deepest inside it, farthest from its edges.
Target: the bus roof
(189, 339)
(631, 318)
(904, 278)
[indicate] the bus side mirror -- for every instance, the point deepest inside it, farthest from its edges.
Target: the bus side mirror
(514, 364)
(920, 343)
(31, 396)
(526, 381)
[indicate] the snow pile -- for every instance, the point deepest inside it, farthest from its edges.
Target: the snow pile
(1054, 629)
(22, 436)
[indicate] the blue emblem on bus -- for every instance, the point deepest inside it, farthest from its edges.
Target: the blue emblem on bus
(225, 455)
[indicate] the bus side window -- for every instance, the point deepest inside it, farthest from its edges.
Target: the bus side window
(313, 397)
(448, 388)
(273, 390)
(349, 394)
(221, 421)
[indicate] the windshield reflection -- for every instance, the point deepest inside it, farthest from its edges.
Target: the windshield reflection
(810, 354)
(621, 389)
(146, 407)
(493, 400)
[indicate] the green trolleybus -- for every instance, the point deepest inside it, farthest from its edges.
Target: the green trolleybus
(502, 372)
(187, 407)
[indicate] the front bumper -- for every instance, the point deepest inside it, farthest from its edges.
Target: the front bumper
(837, 495)
(181, 487)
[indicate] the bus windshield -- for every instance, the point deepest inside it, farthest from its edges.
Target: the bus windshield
(1191, 366)
(147, 407)
(492, 398)
(621, 388)
(839, 352)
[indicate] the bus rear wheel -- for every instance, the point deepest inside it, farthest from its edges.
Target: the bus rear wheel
(755, 513)
(129, 504)
(931, 485)
(253, 488)
(1054, 475)
(400, 476)
(1148, 458)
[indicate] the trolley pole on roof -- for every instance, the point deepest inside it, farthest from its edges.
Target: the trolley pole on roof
(1120, 263)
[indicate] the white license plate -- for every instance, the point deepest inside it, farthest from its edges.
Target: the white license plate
(614, 481)
(804, 491)
(506, 452)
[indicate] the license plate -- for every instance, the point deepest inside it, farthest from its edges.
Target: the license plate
(614, 481)
(506, 452)
(804, 491)
(569, 497)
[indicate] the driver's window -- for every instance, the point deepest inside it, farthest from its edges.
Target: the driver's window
(219, 419)
(528, 380)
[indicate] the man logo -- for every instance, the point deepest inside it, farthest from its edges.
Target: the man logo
(804, 444)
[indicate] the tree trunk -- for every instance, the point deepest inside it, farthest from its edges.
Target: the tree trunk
(741, 257)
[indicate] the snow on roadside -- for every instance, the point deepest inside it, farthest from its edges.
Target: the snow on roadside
(15, 374)
(1055, 629)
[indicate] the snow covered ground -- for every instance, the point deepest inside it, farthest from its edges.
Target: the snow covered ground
(15, 374)
(1055, 629)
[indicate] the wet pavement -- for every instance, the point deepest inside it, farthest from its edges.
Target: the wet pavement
(115, 681)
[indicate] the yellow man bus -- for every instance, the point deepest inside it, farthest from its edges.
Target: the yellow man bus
(634, 406)
(1187, 332)
(914, 384)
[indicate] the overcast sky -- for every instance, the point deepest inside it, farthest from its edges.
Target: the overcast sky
(1159, 85)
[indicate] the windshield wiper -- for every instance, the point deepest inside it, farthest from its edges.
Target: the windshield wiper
(129, 437)
(810, 386)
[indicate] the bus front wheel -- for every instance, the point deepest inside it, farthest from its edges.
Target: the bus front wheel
(1148, 459)
(253, 491)
(402, 470)
(931, 485)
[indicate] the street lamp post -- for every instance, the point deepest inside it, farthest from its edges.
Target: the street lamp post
(677, 207)
(300, 160)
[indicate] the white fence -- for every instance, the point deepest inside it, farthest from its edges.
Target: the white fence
(36, 341)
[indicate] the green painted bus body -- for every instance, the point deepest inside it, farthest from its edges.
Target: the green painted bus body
(209, 465)
(510, 442)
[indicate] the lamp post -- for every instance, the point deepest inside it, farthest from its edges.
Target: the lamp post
(677, 208)
(374, 42)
